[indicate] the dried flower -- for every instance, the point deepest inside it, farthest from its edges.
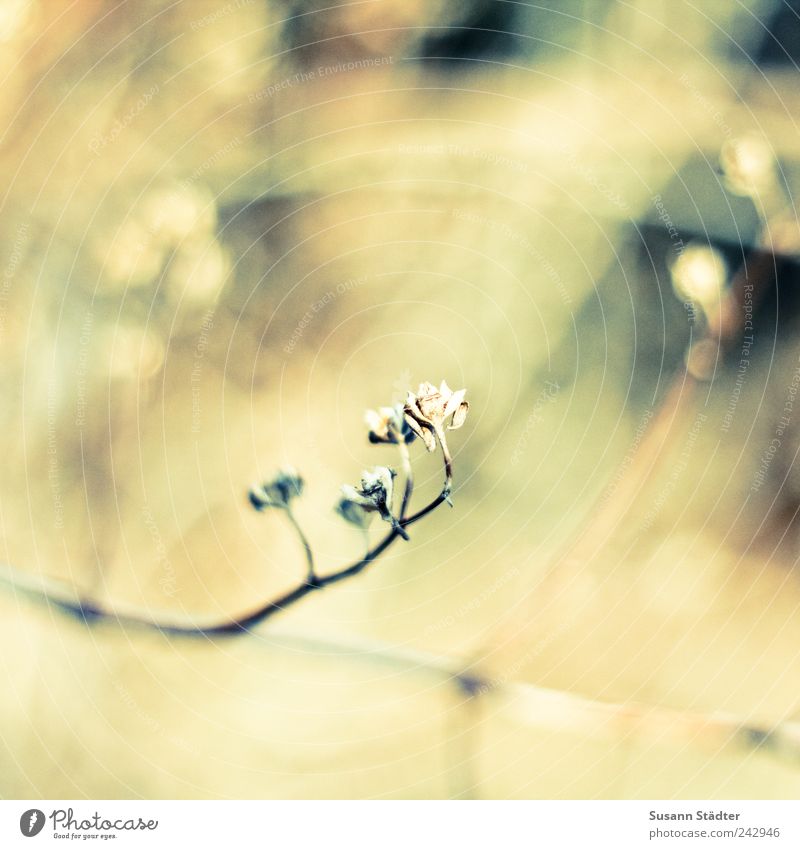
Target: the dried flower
(427, 411)
(388, 425)
(279, 491)
(375, 495)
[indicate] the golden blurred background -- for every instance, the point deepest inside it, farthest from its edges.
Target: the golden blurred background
(230, 227)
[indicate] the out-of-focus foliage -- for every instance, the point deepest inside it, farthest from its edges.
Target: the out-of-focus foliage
(229, 228)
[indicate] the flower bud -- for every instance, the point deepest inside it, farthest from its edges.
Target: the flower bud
(279, 491)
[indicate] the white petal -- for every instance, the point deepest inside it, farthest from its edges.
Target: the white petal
(454, 402)
(386, 477)
(459, 416)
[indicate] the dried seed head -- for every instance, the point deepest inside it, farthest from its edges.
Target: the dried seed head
(375, 494)
(427, 411)
(278, 492)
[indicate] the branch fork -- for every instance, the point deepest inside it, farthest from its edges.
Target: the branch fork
(422, 415)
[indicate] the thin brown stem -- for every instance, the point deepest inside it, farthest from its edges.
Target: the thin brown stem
(448, 465)
(405, 462)
(311, 575)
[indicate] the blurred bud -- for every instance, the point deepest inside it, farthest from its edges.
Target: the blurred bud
(132, 353)
(388, 425)
(132, 258)
(198, 271)
(748, 165)
(699, 274)
(279, 491)
(181, 217)
(174, 213)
